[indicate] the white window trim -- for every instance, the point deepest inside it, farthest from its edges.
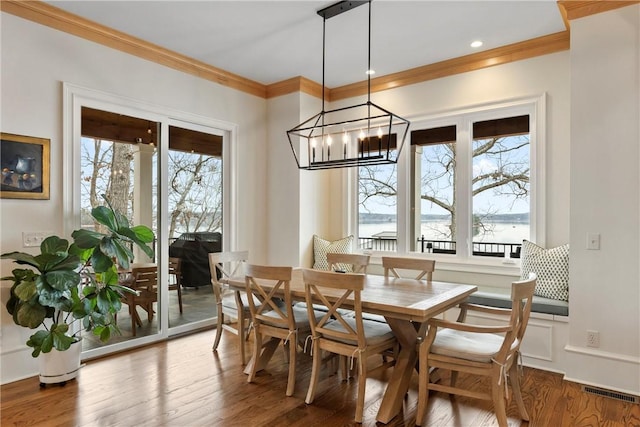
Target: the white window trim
(535, 106)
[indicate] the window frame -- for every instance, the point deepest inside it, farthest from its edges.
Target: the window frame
(463, 118)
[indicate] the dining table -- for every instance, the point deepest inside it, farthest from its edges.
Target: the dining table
(406, 304)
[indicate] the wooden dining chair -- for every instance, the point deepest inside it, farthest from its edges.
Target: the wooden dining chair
(230, 303)
(175, 278)
(489, 351)
(274, 316)
(351, 263)
(424, 267)
(352, 337)
(144, 281)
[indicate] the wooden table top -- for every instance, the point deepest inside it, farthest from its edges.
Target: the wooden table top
(407, 299)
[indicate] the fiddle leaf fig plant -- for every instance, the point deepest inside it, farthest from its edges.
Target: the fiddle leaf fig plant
(75, 284)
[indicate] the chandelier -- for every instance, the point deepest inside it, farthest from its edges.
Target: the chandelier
(359, 135)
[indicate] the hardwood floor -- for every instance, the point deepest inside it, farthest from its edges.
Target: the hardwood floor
(183, 383)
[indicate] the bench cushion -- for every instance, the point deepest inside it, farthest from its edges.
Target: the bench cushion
(501, 300)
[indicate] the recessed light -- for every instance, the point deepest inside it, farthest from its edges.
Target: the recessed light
(476, 43)
(371, 72)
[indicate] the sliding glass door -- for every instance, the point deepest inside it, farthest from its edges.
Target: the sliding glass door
(164, 171)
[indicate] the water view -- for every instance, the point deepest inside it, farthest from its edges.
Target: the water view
(501, 232)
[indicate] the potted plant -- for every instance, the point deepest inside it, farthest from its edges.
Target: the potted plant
(74, 287)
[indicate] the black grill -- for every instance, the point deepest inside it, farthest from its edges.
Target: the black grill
(193, 249)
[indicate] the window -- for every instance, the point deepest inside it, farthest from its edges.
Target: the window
(471, 186)
(377, 207)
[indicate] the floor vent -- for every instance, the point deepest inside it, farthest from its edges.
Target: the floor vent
(612, 394)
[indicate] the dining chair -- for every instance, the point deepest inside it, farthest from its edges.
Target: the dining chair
(354, 263)
(274, 316)
(424, 267)
(175, 272)
(144, 281)
(352, 337)
(489, 351)
(233, 304)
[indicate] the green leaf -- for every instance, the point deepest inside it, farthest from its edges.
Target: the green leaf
(25, 290)
(143, 233)
(122, 253)
(104, 333)
(100, 262)
(36, 341)
(62, 280)
(86, 239)
(105, 216)
(53, 244)
(22, 258)
(30, 315)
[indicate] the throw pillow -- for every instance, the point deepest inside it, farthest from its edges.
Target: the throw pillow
(321, 247)
(551, 266)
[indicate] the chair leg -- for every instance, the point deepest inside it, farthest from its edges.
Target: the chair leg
(362, 382)
(179, 296)
(241, 336)
(291, 382)
(133, 313)
(257, 349)
(218, 328)
(517, 393)
(315, 372)
(497, 393)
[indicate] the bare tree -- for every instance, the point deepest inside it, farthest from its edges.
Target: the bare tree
(507, 176)
(195, 201)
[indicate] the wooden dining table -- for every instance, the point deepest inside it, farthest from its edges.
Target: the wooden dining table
(407, 305)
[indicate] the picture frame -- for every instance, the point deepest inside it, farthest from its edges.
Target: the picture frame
(24, 162)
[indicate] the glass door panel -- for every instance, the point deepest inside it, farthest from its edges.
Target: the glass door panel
(194, 184)
(118, 164)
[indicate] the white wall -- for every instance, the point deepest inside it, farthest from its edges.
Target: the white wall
(35, 62)
(605, 199)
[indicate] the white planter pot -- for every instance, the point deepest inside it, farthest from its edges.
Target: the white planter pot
(60, 366)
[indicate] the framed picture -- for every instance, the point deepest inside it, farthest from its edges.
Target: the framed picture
(24, 161)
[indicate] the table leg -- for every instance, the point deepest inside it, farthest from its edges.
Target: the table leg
(398, 386)
(265, 355)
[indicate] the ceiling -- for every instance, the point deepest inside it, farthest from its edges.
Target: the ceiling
(271, 41)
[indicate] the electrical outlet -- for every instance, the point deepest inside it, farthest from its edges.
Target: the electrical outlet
(593, 339)
(33, 238)
(593, 241)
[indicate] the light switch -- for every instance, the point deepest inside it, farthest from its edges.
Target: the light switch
(593, 241)
(33, 238)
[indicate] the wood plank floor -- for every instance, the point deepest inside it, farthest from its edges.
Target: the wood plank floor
(183, 383)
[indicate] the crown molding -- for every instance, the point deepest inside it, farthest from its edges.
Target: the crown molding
(502, 55)
(45, 14)
(575, 9)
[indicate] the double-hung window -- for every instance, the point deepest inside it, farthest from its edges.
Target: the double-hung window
(472, 186)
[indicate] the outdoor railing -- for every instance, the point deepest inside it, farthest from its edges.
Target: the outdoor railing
(490, 249)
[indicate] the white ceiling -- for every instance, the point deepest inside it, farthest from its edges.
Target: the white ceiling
(270, 41)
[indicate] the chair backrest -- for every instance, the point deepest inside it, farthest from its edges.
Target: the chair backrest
(357, 262)
(175, 267)
(225, 265)
(144, 279)
(425, 267)
(333, 290)
(521, 302)
(267, 283)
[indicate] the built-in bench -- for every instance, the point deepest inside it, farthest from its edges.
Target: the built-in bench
(499, 297)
